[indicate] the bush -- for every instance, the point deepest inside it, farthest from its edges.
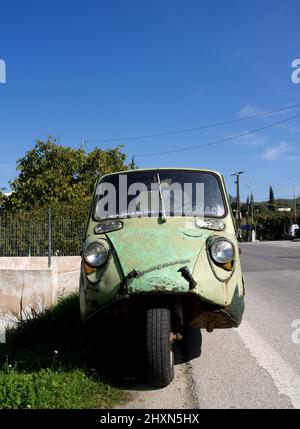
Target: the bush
(272, 226)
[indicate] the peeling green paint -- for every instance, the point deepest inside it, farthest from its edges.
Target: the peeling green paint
(142, 244)
(150, 253)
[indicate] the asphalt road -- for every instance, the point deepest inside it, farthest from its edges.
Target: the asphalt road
(258, 364)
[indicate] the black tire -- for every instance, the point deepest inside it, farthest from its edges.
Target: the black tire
(160, 357)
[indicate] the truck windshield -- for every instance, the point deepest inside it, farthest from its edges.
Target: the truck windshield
(155, 193)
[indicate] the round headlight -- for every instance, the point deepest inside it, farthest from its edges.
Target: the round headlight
(222, 251)
(95, 254)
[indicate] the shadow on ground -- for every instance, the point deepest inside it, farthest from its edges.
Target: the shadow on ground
(57, 339)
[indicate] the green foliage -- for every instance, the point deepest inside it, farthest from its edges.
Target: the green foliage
(45, 364)
(52, 338)
(271, 226)
(2, 199)
(47, 388)
(56, 177)
(270, 223)
(274, 226)
(25, 232)
(51, 174)
(272, 204)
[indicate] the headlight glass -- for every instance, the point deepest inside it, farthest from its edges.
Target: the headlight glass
(222, 251)
(95, 254)
(108, 226)
(214, 224)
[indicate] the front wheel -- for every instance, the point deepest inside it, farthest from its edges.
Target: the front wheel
(160, 357)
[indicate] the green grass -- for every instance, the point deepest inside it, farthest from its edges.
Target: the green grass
(48, 388)
(46, 364)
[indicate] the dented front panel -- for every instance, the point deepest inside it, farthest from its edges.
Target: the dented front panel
(146, 255)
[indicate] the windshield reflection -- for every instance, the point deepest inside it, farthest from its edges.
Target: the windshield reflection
(171, 193)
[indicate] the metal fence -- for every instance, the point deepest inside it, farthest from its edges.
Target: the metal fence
(40, 234)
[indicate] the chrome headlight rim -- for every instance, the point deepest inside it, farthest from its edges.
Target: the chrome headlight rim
(102, 247)
(212, 247)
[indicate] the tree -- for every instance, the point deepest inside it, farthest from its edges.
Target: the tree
(132, 164)
(252, 207)
(232, 201)
(271, 204)
(51, 175)
(248, 205)
(2, 198)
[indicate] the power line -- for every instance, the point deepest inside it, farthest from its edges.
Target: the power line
(287, 187)
(189, 130)
(282, 194)
(220, 140)
(286, 182)
(286, 173)
(287, 178)
(280, 197)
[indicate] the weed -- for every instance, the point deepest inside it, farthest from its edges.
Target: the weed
(45, 363)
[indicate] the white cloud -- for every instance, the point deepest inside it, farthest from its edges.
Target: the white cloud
(249, 110)
(253, 140)
(290, 128)
(277, 152)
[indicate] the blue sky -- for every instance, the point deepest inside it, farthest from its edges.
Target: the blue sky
(115, 68)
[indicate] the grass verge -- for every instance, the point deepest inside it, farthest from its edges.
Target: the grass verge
(45, 364)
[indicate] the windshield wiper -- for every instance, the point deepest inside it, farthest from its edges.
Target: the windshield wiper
(163, 211)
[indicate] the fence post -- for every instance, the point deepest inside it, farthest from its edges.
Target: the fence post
(49, 238)
(30, 238)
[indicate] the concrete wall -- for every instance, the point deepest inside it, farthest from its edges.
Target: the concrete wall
(61, 263)
(67, 283)
(27, 288)
(27, 283)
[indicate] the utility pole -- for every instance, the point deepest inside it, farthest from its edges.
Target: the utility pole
(252, 206)
(238, 209)
(295, 205)
(82, 144)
